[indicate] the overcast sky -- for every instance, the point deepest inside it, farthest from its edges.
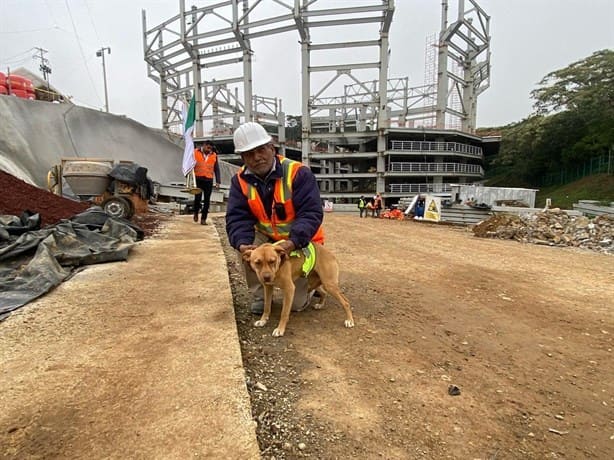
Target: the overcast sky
(530, 38)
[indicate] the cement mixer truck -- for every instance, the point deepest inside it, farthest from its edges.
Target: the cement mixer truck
(121, 188)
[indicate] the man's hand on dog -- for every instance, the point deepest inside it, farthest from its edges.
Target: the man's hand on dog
(246, 247)
(287, 245)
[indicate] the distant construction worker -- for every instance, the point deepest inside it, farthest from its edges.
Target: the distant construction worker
(272, 198)
(362, 206)
(378, 205)
(206, 168)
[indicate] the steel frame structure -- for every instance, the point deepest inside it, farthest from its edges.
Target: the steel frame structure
(182, 52)
(463, 70)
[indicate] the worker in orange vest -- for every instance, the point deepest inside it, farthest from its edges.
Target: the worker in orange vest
(205, 170)
(272, 199)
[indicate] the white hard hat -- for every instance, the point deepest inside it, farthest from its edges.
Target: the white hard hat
(250, 135)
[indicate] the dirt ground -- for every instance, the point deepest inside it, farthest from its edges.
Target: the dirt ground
(524, 332)
(136, 359)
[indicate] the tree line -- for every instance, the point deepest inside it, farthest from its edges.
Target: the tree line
(572, 122)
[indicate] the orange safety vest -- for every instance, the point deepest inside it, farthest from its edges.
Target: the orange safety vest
(274, 227)
(204, 164)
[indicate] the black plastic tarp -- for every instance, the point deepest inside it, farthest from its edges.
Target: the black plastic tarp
(133, 174)
(13, 225)
(36, 261)
(130, 173)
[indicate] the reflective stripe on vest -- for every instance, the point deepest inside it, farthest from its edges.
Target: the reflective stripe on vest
(204, 164)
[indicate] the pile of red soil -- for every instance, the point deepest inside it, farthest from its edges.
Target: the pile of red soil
(17, 196)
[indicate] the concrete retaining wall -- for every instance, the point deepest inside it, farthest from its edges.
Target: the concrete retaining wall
(34, 135)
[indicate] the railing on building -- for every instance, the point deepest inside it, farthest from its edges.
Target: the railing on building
(420, 188)
(436, 168)
(428, 146)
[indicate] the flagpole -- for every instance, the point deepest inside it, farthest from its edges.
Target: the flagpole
(189, 162)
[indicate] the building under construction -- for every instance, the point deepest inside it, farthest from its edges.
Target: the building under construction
(359, 130)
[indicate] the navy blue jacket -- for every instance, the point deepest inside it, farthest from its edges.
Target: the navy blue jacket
(305, 197)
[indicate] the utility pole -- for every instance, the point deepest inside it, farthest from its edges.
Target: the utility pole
(44, 65)
(100, 53)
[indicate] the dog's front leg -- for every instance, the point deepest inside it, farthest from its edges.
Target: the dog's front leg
(288, 290)
(268, 300)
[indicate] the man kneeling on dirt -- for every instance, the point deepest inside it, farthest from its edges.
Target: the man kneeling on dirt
(272, 198)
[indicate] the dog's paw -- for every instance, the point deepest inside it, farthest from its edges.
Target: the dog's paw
(278, 332)
(349, 323)
(318, 306)
(260, 323)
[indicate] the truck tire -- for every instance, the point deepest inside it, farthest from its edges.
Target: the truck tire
(132, 208)
(118, 206)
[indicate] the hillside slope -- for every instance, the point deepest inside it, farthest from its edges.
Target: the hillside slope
(596, 187)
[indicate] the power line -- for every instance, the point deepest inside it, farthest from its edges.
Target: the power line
(76, 64)
(79, 37)
(51, 13)
(19, 54)
(17, 59)
(27, 31)
(15, 62)
(81, 49)
(89, 12)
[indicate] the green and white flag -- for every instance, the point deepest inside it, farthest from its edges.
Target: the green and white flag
(188, 115)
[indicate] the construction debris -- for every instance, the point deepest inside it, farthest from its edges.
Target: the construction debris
(552, 227)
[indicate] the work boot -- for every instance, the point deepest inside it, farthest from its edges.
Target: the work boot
(203, 220)
(196, 216)
(257, 307)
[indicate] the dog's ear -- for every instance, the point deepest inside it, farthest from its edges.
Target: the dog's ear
(281, 253)
(246, 255)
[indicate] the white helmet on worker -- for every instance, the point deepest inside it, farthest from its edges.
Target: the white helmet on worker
(250, 135)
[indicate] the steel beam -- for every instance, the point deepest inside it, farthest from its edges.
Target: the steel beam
(183, 53)
(467, 42)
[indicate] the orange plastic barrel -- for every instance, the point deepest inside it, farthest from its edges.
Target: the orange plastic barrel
(23, 94)
(4, 89)
(2, 79)
(20, 83)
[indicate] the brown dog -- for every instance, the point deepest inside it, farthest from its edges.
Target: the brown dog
(274, 267)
